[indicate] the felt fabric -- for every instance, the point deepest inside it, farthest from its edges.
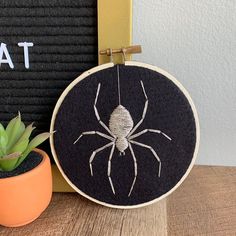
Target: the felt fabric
(33, 160)
(168, 110)
(64, 34)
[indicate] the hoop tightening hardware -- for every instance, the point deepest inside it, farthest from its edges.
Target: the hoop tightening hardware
(124, 50)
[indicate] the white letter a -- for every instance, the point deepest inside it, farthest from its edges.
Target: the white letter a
(3, 49)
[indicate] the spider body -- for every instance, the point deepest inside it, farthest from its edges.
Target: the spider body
(120, 124)
(121, 135)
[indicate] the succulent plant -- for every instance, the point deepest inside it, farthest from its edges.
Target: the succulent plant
(15, 143)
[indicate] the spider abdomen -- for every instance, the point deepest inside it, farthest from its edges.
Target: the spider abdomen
(121, 122)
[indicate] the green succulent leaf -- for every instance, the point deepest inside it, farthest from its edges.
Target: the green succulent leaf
(15, 145)
(10, 126)
(40, 138)
(8, 162)
(27, 132)
(20, 146)
(1, 153)
(33, 144)
(23, 141)
(3, 140)
(14, 130)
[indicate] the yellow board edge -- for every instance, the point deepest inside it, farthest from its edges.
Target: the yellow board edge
(114, 31)
(114, 27)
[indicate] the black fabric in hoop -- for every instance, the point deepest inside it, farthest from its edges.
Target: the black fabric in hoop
(169, 110)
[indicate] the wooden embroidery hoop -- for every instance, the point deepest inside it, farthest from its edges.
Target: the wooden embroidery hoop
(103, 67)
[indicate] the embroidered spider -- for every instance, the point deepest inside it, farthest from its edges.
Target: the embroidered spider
(121, 130)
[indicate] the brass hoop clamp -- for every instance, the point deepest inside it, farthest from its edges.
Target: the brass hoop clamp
(124, 51)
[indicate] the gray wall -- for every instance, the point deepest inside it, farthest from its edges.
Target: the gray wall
(195, 40)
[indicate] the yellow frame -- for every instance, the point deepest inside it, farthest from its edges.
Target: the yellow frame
(114, 31)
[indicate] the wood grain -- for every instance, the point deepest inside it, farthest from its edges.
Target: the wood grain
(205, 204)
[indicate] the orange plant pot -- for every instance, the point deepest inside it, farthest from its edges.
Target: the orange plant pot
(24, 197)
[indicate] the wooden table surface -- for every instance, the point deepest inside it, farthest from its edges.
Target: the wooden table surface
(205, 204)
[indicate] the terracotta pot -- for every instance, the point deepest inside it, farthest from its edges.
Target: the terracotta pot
(24, 197)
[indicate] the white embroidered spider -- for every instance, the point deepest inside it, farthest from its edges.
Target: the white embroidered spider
(121, 130)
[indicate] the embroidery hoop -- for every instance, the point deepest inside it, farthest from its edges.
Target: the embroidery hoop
(103, 67)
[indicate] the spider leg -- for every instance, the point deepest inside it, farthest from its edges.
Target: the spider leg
(97, 114)
(109, 168)
(149, 130)
(91, 133)
(135, 169)
(94, 154)
(153, 152)
(144, 111)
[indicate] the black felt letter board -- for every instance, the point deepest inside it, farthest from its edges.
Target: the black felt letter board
(64, 35)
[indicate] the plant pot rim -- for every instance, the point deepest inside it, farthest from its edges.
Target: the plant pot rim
(32, 171)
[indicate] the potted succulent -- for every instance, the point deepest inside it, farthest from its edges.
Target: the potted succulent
(25, 174)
